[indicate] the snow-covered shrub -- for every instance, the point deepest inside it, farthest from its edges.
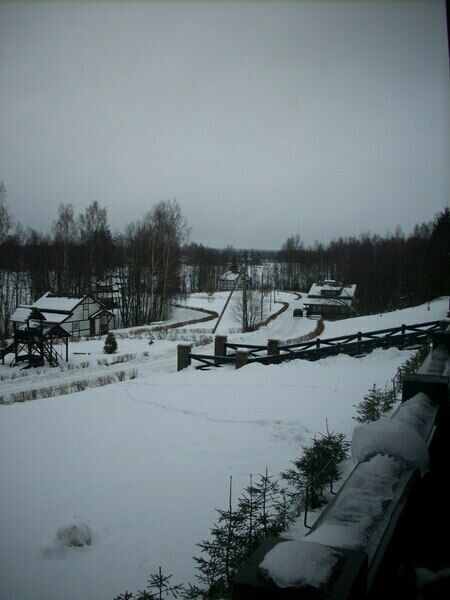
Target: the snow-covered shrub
(375, 403)
(110, 344)
(79, 385)
(47, 392)
(121, 375)
(104, 380)
(75, 534)
(122, 358)
(25, 395)
(133, 374)
(62, 389)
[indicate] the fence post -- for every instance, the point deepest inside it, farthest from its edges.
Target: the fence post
(273, 347)
(241, 358)
(220, 348)
(183, 356)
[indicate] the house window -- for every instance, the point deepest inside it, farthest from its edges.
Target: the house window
(85, 311)
(75, 327)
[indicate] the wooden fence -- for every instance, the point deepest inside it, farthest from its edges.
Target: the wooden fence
(275, 352)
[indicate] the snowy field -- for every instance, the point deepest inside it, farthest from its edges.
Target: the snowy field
(151, 352)
(228, 322)
(145, 462)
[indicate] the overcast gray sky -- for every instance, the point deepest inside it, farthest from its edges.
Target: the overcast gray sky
(263, 119)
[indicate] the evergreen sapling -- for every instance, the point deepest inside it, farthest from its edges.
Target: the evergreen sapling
(375, 403)
(312, 466)
(110, 344)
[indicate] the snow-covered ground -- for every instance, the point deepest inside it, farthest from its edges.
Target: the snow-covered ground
(229, 323)
(152, 352)
(433, 311)
(144, 463)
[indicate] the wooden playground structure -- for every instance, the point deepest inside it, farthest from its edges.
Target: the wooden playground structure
(34, 342)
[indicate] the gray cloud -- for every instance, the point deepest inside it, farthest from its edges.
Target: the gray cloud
(261, 118)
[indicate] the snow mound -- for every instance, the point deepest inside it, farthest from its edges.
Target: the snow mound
(363, 507)
(295, 564)
(75, 534)
(419, 412)
(393, 438)
(438, 360)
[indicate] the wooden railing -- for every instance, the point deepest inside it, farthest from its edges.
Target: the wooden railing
(366, 565)
(274, 352)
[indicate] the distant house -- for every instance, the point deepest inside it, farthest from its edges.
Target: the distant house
(78, 315)
(107, 295)
(230, 280)
(109, 291)
(330, 299)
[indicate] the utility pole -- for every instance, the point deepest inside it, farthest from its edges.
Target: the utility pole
(262, 299)
(225, 307)
(244, 300)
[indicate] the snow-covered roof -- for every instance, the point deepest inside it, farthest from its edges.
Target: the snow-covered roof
(21, 314)
(52, 302)
(339, 290)
(55, 317)
(229, 276)
(99, 312)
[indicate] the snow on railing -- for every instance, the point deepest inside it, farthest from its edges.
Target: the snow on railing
(342, 554)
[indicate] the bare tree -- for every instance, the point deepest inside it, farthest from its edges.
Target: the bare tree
(151, 263)
(64, 235)
(257, 308)
(95, 238)
(5, 217)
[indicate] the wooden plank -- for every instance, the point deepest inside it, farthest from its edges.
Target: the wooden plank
(211, 357)
(246, 346)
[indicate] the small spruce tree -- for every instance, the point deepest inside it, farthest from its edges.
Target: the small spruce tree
(110, 344)
(311, 465)
(210, 289)
(375, 403)
(159, 587)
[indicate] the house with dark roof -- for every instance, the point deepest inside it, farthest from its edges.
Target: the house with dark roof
(330, 299)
